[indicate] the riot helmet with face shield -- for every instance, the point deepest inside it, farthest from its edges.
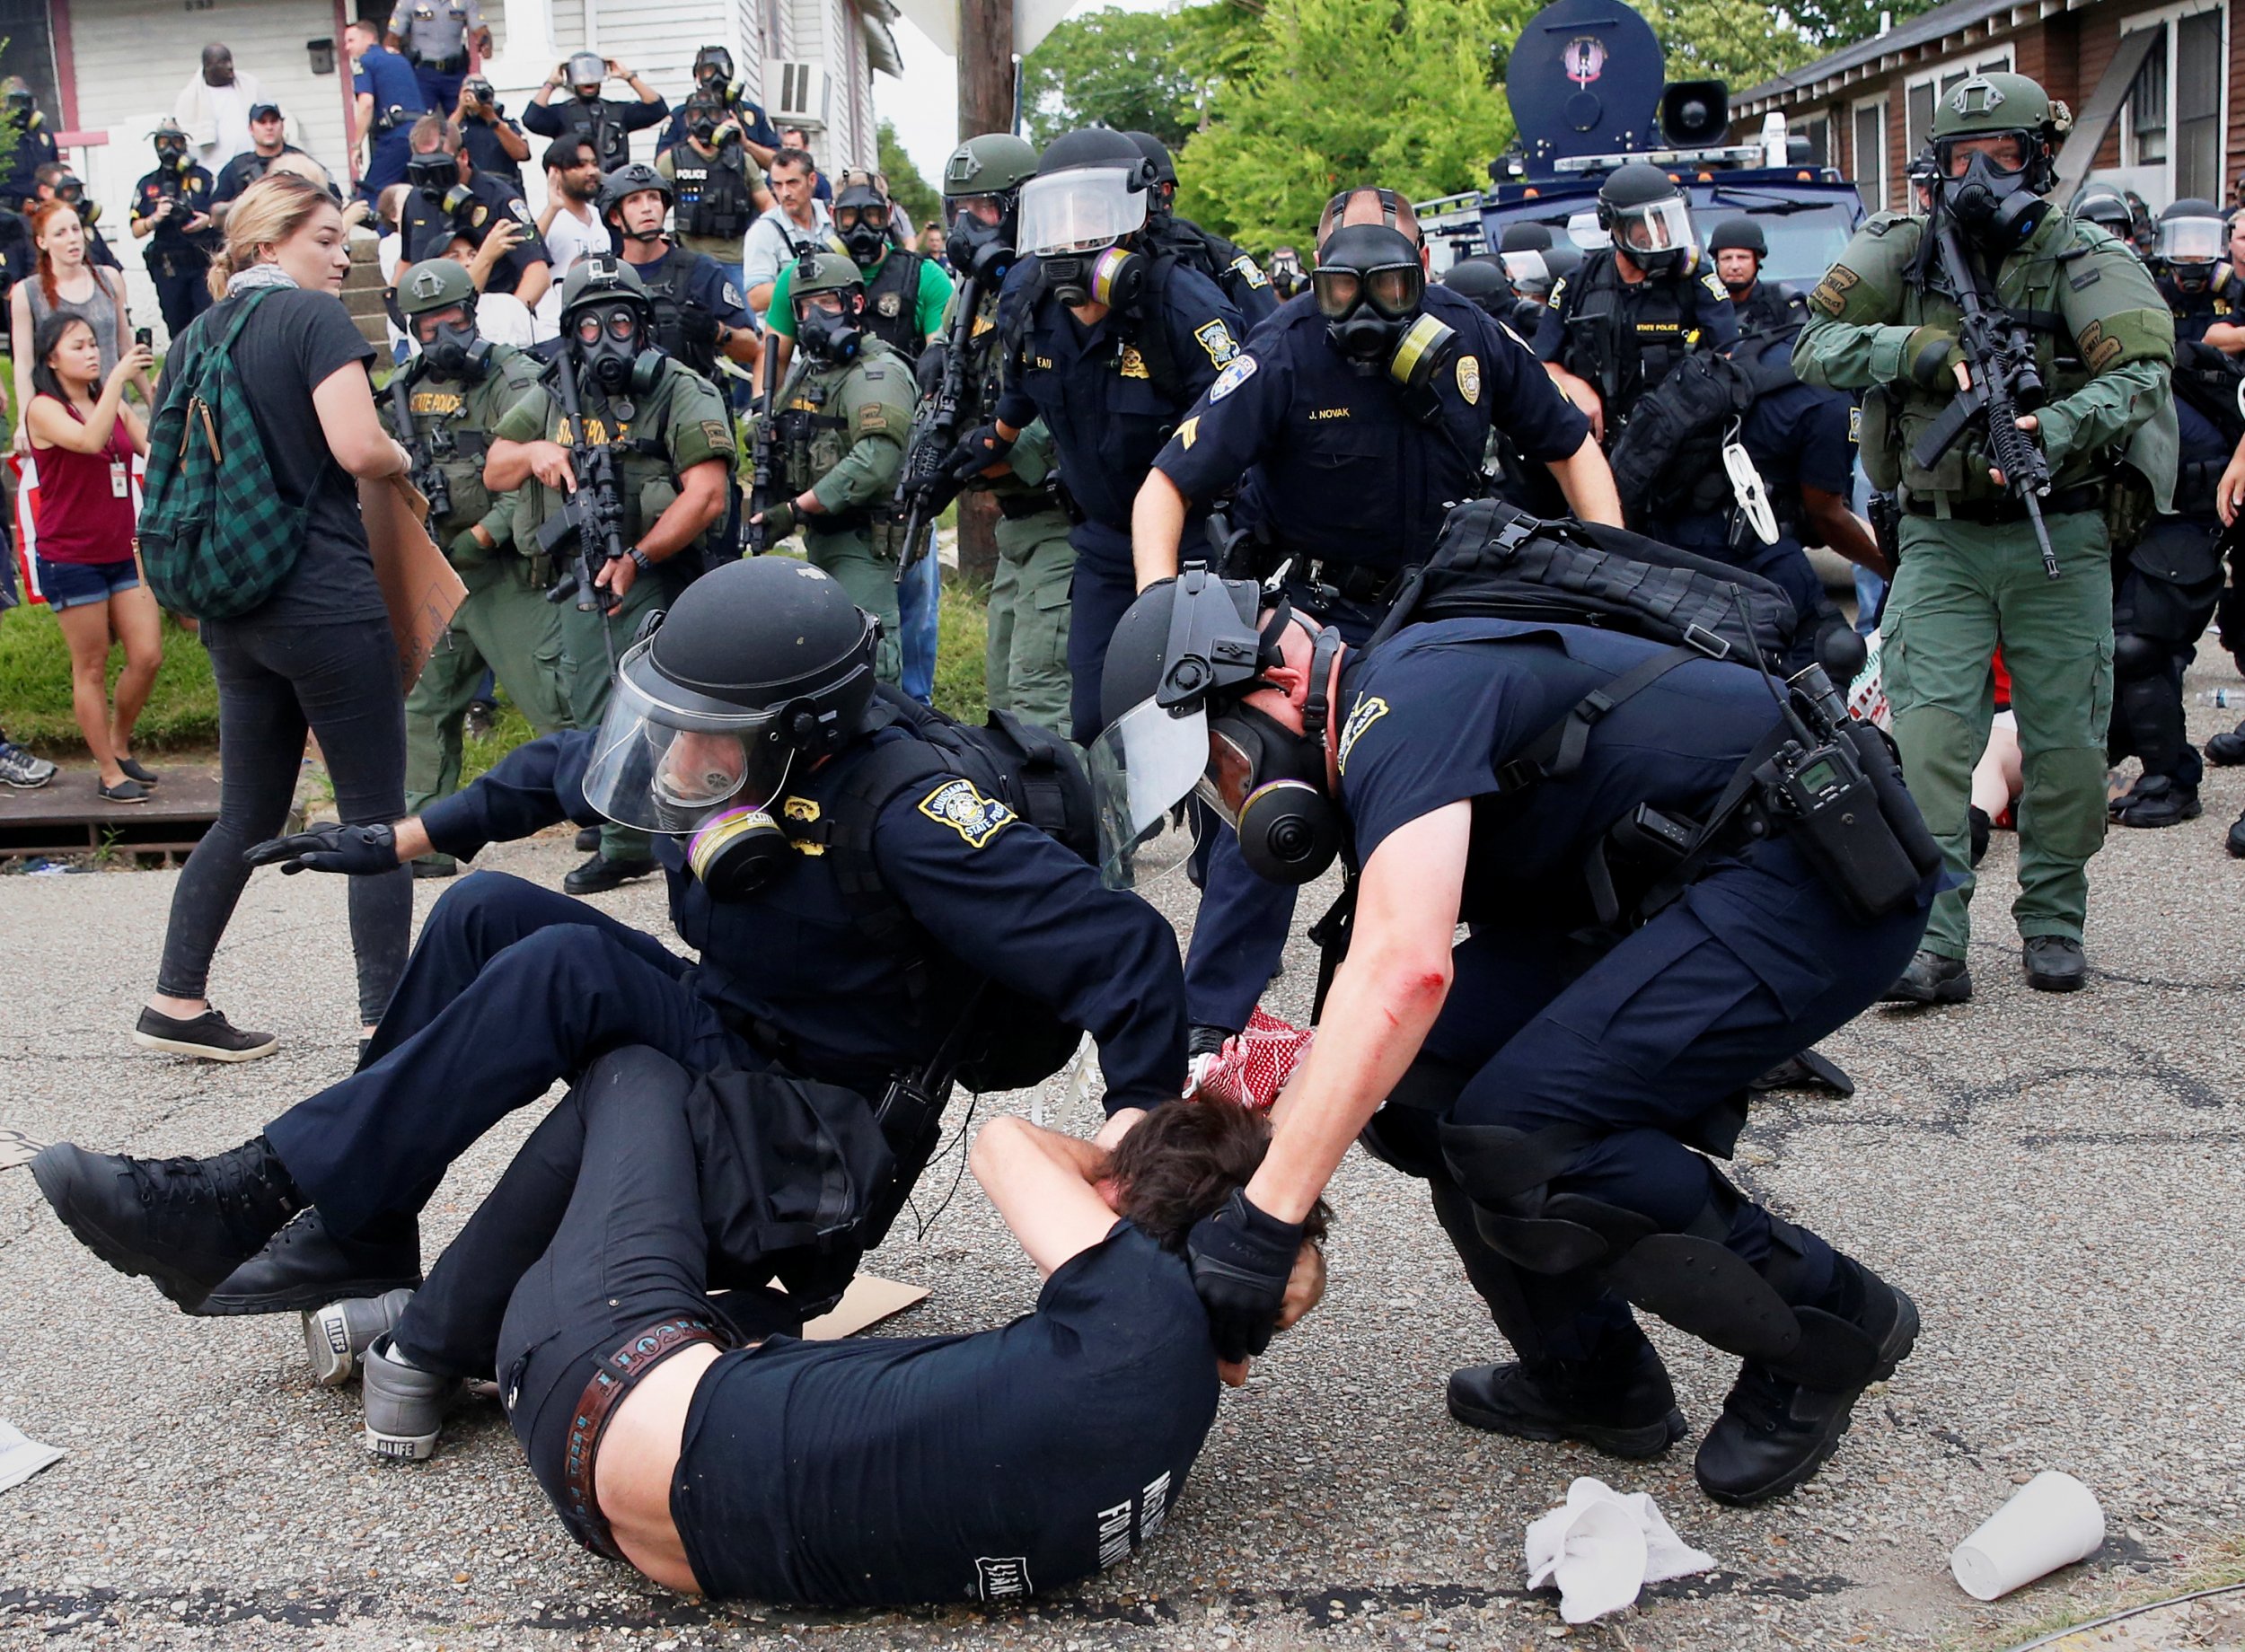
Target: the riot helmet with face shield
(2192, 236)
(1647, 218)
(1090, 198)
(761, 669)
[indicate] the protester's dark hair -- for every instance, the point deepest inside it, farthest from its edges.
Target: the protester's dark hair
(1181, 1161)
(50, 332)
(42, 214)
(794, 157)
(562, 153)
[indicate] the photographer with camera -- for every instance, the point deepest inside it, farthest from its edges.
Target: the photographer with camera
(494, 143)
(385, 101)
(451, 199)
(434, 35)
(171, 212)
(604, 123)
(2010, 449)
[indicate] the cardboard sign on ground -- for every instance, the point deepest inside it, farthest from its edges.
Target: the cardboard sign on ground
(421, 589)
(867, 1302)
(17, 1148)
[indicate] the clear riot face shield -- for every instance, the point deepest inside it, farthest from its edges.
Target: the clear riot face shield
(1079, 210)
(661, 765)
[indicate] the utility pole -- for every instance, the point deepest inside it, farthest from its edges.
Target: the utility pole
(986, 104)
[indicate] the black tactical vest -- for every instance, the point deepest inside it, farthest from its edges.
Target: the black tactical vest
(892, 304)
(684, 330)
(1623, 339)
(713, 196)
(597, 124)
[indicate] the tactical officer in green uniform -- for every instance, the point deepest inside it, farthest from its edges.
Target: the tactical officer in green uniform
(455, 390)
(1972, 576)
(1026, 663)
(673, 450)
(844, 413)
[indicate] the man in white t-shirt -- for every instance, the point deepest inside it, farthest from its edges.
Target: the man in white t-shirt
(796, 223)
(572, 228)
(215, 108)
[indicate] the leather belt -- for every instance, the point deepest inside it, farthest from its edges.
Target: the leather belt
(614, 1378)
(1988, 512)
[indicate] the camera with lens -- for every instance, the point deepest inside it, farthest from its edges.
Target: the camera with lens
(487, 96)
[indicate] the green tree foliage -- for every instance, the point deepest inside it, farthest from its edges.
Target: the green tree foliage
(907, 188)
(1403, 92)
(1134, 71)
(1740, 42)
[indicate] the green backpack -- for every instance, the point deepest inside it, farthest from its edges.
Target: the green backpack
(215, 536)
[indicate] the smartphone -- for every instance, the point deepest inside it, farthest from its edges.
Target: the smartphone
(144, 337)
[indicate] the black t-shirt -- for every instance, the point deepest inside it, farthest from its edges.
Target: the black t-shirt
(290, 345)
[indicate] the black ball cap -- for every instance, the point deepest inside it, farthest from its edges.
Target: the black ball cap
(758, 633)
(1739, 235)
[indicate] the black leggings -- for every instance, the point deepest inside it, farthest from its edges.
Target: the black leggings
(274, 681)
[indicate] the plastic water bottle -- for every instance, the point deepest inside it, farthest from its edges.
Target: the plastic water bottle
(2228, 699)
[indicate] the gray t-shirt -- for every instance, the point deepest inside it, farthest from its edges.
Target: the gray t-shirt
(290, 345)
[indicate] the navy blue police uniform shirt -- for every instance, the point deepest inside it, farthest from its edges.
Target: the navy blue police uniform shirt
(1801, 436)
(981, 1468)
(1702, 298)
(1095, 387)
(1431, 716)
(1772, 308)
(197, 190)
(708, 286)
(428, 230)
(991, 892)
(390, 79)
(480, 139)
(1342, 470)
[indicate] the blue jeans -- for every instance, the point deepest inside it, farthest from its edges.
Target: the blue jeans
(919, 600)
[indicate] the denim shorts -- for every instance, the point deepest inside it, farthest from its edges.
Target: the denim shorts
(72, 584)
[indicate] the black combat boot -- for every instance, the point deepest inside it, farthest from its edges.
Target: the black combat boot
(1783, 1419)
(306, 1267)
(1932, 978)
(2227, 750)
(184, 1222)
(2156, 801)
(600, 874)
(1620, 1403)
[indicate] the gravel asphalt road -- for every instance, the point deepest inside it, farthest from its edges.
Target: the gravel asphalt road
(2052, 1178)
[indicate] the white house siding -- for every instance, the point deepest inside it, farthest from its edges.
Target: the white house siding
(133, 58)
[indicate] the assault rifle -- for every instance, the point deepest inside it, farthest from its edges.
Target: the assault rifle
(2000, 353)
(763, 457)
(936, 425)
(591, 522)
(424, 474)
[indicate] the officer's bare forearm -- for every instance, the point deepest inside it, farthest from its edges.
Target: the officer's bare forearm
(1156, 524)
(412, 839)
(506, 466)
(740, 344)
(1585, 478)
(516, 145)
(701, 501)
(1831, 522)
(2227, 338)
(532, 284)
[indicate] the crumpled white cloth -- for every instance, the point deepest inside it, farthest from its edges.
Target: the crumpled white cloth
(1603, 1548)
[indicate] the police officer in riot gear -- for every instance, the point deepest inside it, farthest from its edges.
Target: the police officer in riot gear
(1025, 664)
(34, 144)
(1738, 247)
(457, 387)
(741, 731)
(844, 412)
(1110, 347)
(1613, 330)
(1548, 1076)
(171, 209)
(699, 314)
(673, 447)
(449, 198)
(2166, 585)
(1353, 422)
(606, 124)
(435, 37)
(1972, 573)
(1232, 269)
(2105, 207)
(717, 98)
(720, 191)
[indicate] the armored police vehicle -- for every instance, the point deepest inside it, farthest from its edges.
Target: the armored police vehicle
(1587, 83)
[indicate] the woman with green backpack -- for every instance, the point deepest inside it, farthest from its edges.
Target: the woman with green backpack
(264, 423)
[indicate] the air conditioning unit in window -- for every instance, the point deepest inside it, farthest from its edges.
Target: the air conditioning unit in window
(804, 93)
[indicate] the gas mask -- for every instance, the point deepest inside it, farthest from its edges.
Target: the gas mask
(977, 249)
(611, 346)
(72, 193)
(713, 74)
(1115, 277)
(1269, 785)
(435, 176)
(1994, 205)
(171, 156)
(458, 351)
(1371, 288)
(20, 110)
(861, 220)
(829, 337)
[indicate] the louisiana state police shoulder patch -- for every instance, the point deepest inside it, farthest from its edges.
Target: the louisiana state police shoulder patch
(975, 818)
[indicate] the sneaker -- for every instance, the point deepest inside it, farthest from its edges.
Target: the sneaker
(600, 874)
(209, 1035)
(1932, 978)
(1776, 1430)
(184, 1222)
(335, 1336)
(1567, 1402)
(134, 770)
(21, 769)
(405, 1405)
(304, 1265)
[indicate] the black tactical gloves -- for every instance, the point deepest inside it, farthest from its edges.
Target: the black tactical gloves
(1241, 1259)
(358, 850)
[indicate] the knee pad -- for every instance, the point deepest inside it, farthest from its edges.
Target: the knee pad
(2136, 656)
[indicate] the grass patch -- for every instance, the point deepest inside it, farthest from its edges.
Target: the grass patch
(35, 688)
(961, 688)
